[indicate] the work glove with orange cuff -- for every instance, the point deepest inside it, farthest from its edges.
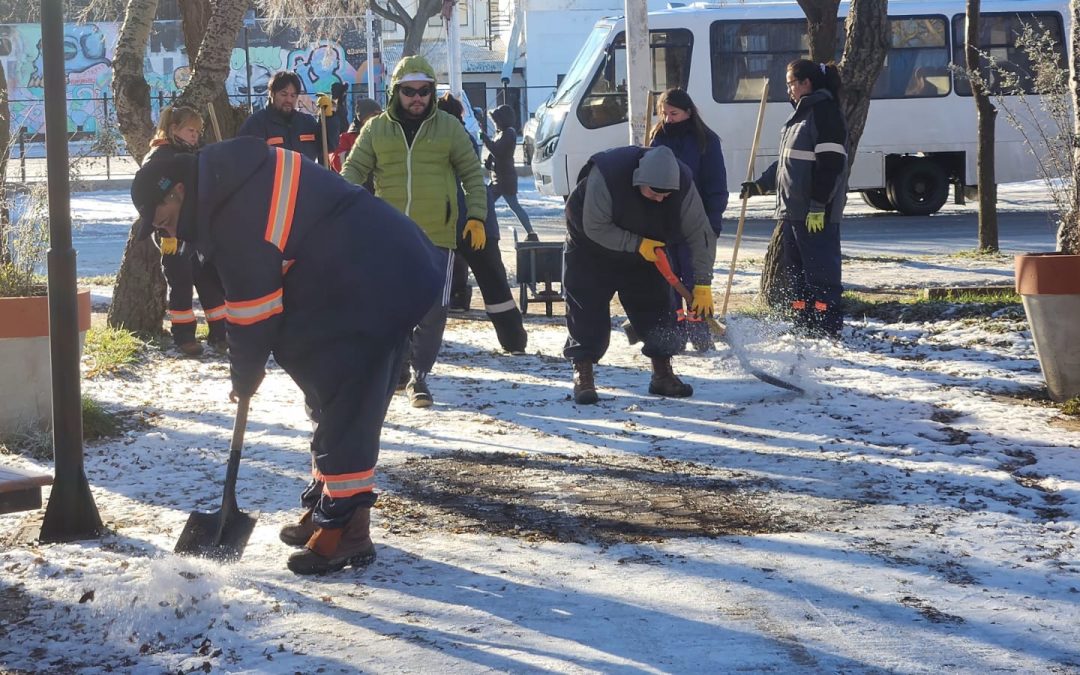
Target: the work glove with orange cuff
(703, 302)
(647, 248)
(326, 104)
(474, 230)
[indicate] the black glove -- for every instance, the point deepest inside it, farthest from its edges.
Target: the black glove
(750, 189)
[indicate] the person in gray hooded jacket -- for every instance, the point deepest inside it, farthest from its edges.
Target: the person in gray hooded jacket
(628, 203)
(810, 180)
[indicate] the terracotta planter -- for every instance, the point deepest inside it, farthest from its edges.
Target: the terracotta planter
(1049, 284)
(26, 396)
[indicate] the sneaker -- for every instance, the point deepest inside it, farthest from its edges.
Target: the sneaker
(192, 348)
(419, 394)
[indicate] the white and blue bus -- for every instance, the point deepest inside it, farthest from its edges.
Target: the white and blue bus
(920, 134)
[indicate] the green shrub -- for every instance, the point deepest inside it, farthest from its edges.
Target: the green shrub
(108, 350)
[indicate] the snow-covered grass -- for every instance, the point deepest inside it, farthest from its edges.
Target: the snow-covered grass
(937, 498)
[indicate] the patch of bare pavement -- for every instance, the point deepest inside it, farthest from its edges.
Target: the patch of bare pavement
(592, 498)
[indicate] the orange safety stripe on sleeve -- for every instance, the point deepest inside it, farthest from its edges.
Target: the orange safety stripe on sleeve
(215, 313)
(798, 304)
(275, 140)
(307, 137)
(182, 315)
(253, 311)
(821, 306)
(283, 198)
(346, 484)
(286, 265)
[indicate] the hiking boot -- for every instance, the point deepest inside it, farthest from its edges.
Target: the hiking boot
(584, 387)
(298, 533)
(192, 348)
(665, 382)
(419, 394)
(219, 344)
(631, 335)
(330, 550)
(461, 300)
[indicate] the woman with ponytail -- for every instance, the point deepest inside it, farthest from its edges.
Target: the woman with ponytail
(698, 147)
(178, 132)
(810, 181)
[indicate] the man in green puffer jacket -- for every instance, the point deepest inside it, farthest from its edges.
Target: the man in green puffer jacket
(417, 154)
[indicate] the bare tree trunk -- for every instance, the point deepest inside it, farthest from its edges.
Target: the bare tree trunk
(139, 296)
(1068, 234)
(196, 16)
(5, 153)
(986, 115)
(129, 78)
(138, 302)
(865, 47)
(414, 35)
(821, 28)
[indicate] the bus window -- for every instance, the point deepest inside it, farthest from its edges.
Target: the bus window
(917, 65)
(998, 33)
(743, 52)
(605, 103)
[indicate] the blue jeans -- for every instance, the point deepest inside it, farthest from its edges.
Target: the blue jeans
(515, 206)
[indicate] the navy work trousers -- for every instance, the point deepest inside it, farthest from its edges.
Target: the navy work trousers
(182, 272)
(810, 265)
(591, 279)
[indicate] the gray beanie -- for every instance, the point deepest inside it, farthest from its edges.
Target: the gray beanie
(658, 168)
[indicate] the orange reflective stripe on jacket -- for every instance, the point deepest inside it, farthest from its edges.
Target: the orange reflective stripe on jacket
(283, 197)
(215, 313)
(275, 140)
(182, 315)
(253, 311)
(345, 484)
(307, 137)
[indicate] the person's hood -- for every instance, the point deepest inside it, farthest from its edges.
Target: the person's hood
(658, 168)
(503, 117)
(407, 66)
(223, 169)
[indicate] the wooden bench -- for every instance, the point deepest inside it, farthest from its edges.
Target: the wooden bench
(21, 490)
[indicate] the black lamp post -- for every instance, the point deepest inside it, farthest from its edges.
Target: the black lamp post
(71, 513)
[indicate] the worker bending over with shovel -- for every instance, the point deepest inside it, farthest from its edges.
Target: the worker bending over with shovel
(628, 202)
(328, 279)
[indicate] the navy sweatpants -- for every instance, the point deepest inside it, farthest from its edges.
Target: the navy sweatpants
(810, 265)
(182, 271)
(591, 280)
(348, 385)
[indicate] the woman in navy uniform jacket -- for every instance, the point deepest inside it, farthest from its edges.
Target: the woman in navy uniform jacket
(327, 278)
(698, 147)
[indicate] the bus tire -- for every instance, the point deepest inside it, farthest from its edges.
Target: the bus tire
(878, 199)
(919, 187)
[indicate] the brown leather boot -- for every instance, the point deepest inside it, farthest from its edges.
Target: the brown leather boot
(192, 348)
(298, 533)
(584, 388)
(330, 550)
(665, 382)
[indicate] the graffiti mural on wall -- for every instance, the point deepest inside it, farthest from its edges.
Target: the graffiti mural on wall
(89, 48)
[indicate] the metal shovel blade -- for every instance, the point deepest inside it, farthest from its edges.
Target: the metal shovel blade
(222, 534)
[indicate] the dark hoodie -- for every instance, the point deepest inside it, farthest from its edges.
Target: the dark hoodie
(502, 149)
(335, 263)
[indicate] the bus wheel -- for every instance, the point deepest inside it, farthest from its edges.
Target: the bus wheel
(878, 199)
(918, 188)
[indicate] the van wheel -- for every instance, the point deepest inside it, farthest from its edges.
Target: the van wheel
(878, 199)
(918, 188)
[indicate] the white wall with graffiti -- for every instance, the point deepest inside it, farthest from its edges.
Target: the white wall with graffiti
(89, 50)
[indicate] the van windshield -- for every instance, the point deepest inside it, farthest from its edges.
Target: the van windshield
(594, 44)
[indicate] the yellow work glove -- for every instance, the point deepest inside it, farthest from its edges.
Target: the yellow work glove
(815, 222)
(648, 247)
(326, 104)
(169, 245)
(702, 304)
(474, 230)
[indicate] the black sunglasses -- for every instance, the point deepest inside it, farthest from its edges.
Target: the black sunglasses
(410, 92)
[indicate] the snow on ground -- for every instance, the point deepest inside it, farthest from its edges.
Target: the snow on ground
(934, 503)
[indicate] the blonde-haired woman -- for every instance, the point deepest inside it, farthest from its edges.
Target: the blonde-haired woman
(178, 131)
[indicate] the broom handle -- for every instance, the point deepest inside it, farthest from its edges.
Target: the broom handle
(742, 212)
(214, 122)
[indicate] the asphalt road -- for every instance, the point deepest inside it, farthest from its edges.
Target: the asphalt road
(876, 233)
